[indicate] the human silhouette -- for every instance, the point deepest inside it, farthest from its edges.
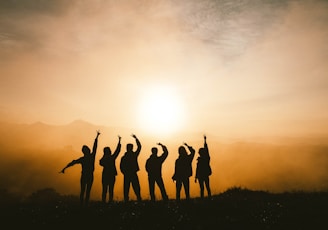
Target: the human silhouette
(109, 171)
(183, 170)
(129, 167)
(203, 170)
(88, 165)
(154, 169)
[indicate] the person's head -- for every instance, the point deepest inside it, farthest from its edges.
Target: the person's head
(182, 151)
(154, 151)
(107, 151)
(85, 150)
(129, 147)
(201, 151)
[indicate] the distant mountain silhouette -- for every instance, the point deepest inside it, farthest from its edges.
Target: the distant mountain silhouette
(45, 136)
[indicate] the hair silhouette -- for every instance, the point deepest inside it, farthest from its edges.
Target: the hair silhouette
(109, 171)
(88, 165)
(129, 167)
(154, 169)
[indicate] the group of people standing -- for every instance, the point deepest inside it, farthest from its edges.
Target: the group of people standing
(129, 167)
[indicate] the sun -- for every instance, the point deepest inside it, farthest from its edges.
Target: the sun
(160, 110)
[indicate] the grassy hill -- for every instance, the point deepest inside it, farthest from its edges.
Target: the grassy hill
(236, 208)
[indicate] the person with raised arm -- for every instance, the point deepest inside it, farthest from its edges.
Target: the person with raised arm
(109, 172)
(129, 167)
(154, 169)
(203, 170)
(87, 161)
(183, 170)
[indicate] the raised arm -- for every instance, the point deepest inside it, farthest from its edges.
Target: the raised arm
(118, 147)
(165, 152)
(192, 151)
(138, 144)
(95, 143)
(206, 147)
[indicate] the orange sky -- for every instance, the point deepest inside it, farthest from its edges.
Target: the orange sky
(244, 67)
(230, 70)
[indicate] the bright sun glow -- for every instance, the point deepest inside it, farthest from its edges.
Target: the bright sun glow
(161, 110)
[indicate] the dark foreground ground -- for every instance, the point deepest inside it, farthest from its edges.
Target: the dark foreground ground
(233, 209)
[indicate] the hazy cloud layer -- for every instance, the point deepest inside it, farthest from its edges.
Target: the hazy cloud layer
(229, 26)
(33, 155)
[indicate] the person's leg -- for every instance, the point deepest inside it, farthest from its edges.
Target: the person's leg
(178, 185)
(201, 186)
(136, 186)
(161, 186)
(88, 190)
(104, 183)
(186, 188)
(82, 190)
(151, 183)
(207, 183)
(111, 188)
(104, 192)
(126, 187)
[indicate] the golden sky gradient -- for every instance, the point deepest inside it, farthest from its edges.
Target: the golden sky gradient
(172, 71)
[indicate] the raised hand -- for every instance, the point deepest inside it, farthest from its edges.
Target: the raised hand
(134, 136)
(119, 137)
(98, 133)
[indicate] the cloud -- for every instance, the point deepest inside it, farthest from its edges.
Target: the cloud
(225, 58)
(230, 27)
(19, 19)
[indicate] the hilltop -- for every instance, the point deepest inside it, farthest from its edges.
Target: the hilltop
(236, 208)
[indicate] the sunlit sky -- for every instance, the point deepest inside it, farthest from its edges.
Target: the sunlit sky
(161, 67)
(243, 67)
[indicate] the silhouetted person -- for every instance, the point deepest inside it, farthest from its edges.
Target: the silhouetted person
(203, 170)
(88, 165)
(183, 170)
(109, 171)
(154, 169)
(129, 167)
